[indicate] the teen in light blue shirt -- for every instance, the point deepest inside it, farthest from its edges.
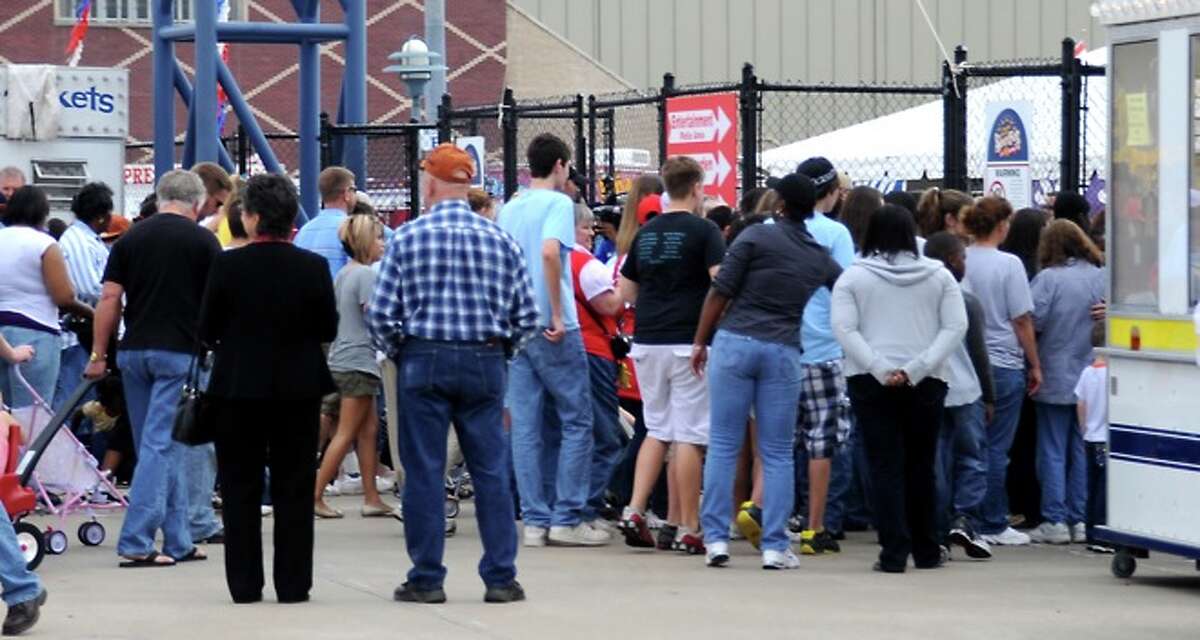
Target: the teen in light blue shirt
(816, 333)
(533, 217)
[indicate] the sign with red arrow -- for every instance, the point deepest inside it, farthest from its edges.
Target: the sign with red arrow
(705, 128)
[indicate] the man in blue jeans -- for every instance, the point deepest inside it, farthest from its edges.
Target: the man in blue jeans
(542, 221)
(452, 300)
(160, 268)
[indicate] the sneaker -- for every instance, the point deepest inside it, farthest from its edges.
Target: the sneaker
(23, 615)
(689, 542)
(749, 522)
(535, 536)
(735, 533)
(775, 560)
(653, 521)
(350, 485)
(717, 554)
(1010, 537)
(331, 490)
(817, 542)
(511, 592)
(384, 484)
(451, 527)
(666, 537)
(634, 527)
(267, 510)
(1051, 533)
(408, 593)
(1079, 533)
(943, 558)
(580, 535)
(973, 545)
(797, 523)
(600, 524)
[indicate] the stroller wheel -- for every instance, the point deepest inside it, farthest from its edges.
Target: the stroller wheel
(56, 542)
(91, 534)
(32, 544)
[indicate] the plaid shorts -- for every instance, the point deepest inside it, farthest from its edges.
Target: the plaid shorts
(823, 422)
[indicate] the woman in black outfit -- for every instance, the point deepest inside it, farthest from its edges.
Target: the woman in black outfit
(266, 311)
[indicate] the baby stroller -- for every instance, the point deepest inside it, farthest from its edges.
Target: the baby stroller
(59, 470)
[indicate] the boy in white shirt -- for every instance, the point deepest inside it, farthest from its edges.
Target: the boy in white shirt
(1092, 394)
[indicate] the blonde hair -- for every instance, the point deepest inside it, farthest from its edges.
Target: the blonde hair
(643, 186)
(770, 204)
(358, 234)
(478, 199)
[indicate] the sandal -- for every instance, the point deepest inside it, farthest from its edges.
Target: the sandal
(322, 511)
(151, 560)
(195, 555)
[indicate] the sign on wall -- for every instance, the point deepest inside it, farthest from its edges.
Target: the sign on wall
(475, 147)
(1007, 173)
(705, 128)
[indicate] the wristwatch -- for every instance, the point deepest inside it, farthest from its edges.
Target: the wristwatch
(95, 357)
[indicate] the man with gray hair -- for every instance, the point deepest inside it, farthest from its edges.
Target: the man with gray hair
(11, 179)
(160, 267)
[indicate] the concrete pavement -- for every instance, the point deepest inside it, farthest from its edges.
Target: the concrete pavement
(614, 592)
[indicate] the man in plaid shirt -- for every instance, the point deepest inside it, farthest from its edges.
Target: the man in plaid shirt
(452, 298)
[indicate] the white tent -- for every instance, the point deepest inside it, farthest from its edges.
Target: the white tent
(907, 144)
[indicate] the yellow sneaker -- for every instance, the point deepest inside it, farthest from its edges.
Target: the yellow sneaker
(749, 522)
(817, 542)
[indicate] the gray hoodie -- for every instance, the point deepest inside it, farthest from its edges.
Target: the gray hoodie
(901, 312)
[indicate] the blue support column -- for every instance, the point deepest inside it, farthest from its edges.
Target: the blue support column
(204, 98)
(185, 91)
(354, 88)
(242, 110)
(164, 97)
(310, 113)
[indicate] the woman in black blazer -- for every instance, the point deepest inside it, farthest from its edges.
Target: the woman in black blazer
(267, 309)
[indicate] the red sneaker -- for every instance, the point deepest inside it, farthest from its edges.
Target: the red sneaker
(689, 542)
(633, 527)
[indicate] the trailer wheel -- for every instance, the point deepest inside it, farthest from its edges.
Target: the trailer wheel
(1123, 564)
(32, 544)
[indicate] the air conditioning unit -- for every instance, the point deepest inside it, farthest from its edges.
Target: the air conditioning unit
(61, 179)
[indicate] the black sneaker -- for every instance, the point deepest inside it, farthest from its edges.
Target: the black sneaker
(814, 543)
(964, 536)
(666, 537)
(943, 558)
(511, 592)
(23, 615)
(408, 593)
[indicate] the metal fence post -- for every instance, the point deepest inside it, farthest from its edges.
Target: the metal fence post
(412, 153)
(326, 141)
(581, 161)
(954, 122)
(445, 109)
(243, 151)
(508, 121)
(668, 88)
(1072, 89)
(748, 98)
(610, 143)
(591, 149)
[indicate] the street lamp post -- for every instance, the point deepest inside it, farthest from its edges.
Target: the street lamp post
(415, 64)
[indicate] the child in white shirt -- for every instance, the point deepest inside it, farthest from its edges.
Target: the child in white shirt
(1092, 394)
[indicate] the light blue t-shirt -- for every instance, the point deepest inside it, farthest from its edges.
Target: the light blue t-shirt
(532, 217)
(816, 332)
(320, 235)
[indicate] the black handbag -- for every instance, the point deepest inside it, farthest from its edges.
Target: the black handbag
(193, 418)
(618, 342)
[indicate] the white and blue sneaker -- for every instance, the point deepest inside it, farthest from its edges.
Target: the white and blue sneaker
(776, 560)
(717, 554)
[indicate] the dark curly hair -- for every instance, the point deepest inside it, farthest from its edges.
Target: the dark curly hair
(93, 202)
(27, 207)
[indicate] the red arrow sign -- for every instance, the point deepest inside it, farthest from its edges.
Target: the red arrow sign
(704, 127)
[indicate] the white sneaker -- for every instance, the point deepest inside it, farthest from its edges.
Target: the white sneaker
(653, 521)
(267, 510)
(780, 560)
(384, 484)
(451, 527)
(332, 490)
(580, 535)
(1051, 533)
(1079, 533)
(535, 536)
(716, 554)
(350, 485)
(600, 524)
(1010, 537)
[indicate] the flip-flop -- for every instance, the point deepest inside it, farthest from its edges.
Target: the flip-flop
(192, 556)
(147, 562)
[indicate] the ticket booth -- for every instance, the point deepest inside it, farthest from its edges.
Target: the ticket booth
(1153, 251)
(64, 127)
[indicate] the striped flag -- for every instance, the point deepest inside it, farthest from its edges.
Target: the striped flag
(75, 44)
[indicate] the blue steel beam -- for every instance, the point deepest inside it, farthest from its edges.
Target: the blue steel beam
(262, 32)
(310, 111)
(354, 88)
(204, 98)
(185, 91)
(164, 97)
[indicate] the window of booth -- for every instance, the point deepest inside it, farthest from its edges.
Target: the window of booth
(1133, 185)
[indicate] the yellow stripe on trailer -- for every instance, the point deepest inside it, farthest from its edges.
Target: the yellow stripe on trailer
(1156, 334)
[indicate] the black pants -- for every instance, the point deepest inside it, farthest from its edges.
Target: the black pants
(280, 435)
(1097, 497)
(622, 482)
(899, 426)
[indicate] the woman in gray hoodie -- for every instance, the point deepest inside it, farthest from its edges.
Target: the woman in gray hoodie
(899, 317)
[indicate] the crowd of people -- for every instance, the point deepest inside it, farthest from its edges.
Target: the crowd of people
(681, 373)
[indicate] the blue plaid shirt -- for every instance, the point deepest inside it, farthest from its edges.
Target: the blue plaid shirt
(452, 275)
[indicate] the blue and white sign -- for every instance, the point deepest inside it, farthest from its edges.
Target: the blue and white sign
(474, 146)
(1007, 173)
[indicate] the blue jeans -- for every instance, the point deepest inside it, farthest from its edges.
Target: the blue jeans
(750, 372)
(544, 369)
(41, 373)
(72, 361)
(1061, 464)
(1010, 392)
(439, 383)
(20, 584)
(200, 471)
(158, 497)
(961, 466)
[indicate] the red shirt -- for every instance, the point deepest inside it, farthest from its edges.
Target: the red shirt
(595, 334)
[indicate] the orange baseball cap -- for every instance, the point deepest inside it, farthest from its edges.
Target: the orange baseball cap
(118, 225)
(449, 163)
(648, 207)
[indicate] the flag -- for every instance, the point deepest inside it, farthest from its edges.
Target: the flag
(79, 32)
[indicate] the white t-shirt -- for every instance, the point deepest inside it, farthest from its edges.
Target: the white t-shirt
(1092, 391)
(594, 278)
(22, 287)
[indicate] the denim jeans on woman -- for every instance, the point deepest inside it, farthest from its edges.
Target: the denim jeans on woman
(19, 583)
(41, 373)
(158, 497)
(546, 369)
(1010, 393)
(744, 372)
(962, 467)
(1061, 464)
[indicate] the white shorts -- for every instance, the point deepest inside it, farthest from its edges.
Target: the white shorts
(674, 400)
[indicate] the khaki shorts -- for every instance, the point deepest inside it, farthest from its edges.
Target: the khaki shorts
(674, 401)
(350, 384)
